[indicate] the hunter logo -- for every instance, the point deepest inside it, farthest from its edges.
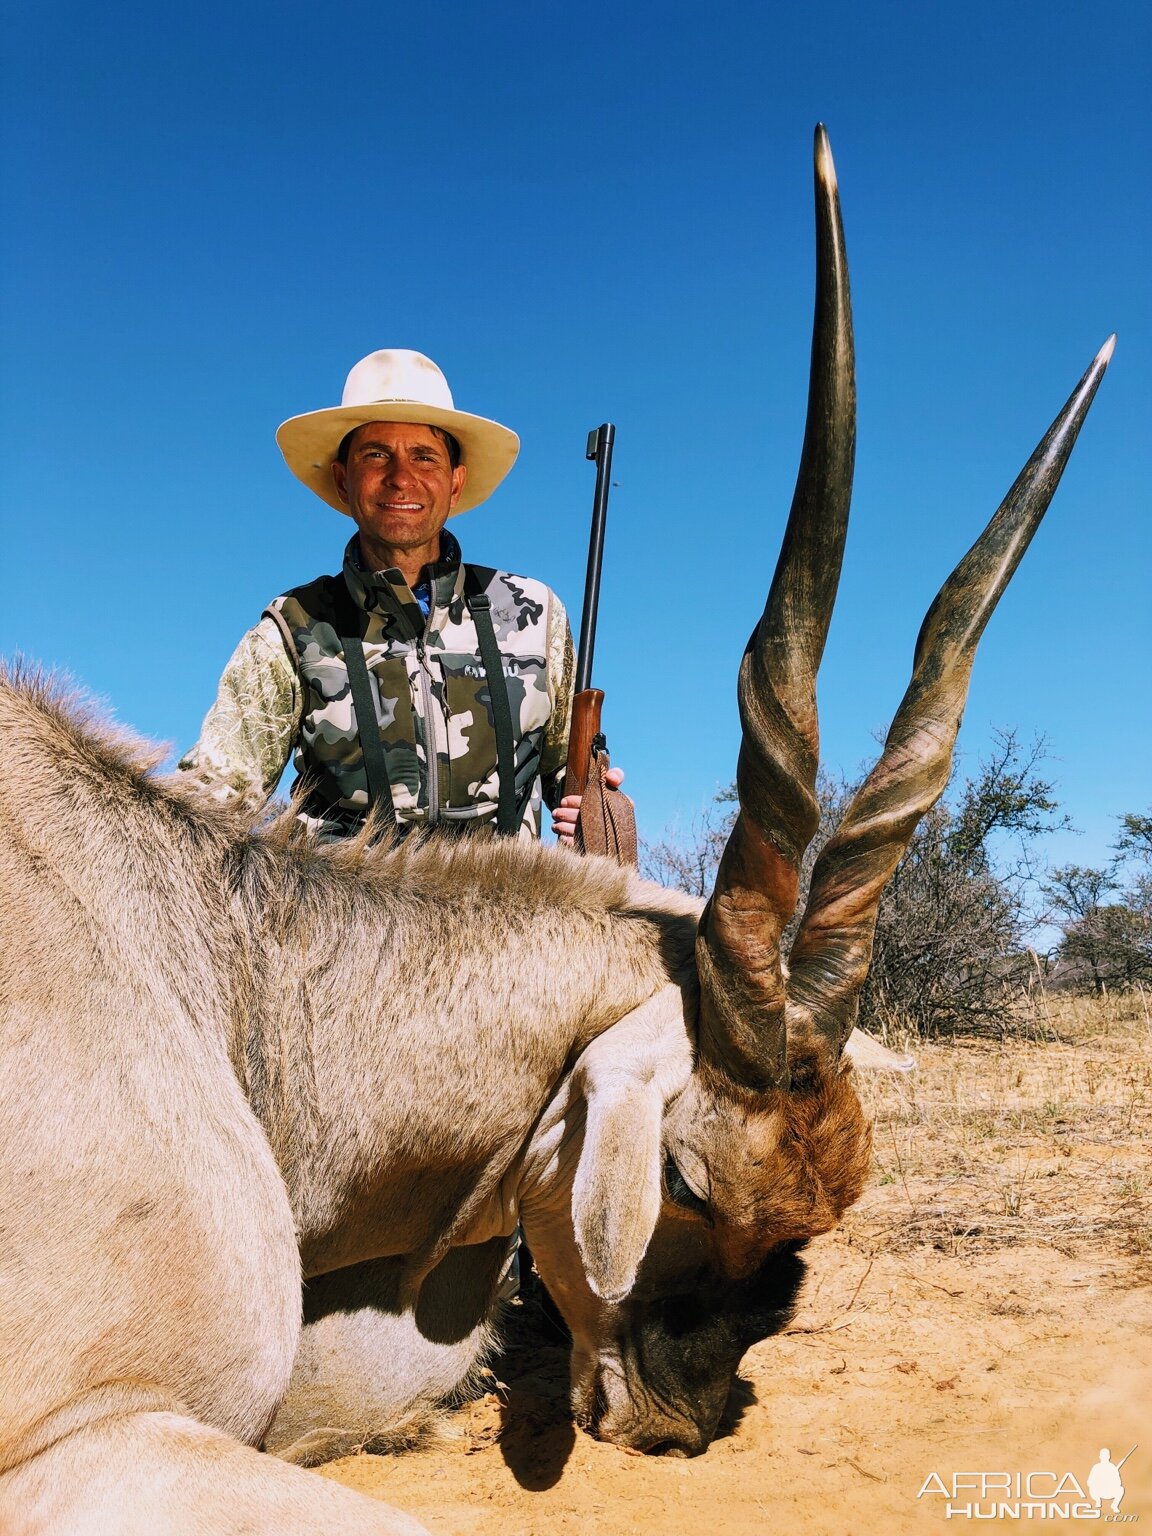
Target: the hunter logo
(1034, 1495)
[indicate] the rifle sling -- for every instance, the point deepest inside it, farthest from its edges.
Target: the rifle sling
(476, 578)
(607, 820)
(352, 621)
(368, 729)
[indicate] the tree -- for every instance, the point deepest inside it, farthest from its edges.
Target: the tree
(1115, 943)
(1134, 847)
(949, 953)
(948, 950)
(689, 862)
(1135, 840)
(1107, 943)
(948, 930)
(1007, 797)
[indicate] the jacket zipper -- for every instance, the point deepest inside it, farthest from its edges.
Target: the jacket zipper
(431, 743)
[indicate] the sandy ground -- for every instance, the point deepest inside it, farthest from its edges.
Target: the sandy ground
(985, 1308)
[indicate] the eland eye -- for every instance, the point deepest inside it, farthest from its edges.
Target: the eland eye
(679, 1191)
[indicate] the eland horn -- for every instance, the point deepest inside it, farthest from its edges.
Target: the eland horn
(742, 1015)
(833, 949)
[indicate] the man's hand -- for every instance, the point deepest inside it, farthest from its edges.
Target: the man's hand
(565, 814)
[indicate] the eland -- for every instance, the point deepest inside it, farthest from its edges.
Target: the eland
(231, 1058)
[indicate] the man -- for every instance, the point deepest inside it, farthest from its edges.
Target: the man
(464, 672)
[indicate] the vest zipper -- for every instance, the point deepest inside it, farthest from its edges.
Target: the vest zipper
(431, 745)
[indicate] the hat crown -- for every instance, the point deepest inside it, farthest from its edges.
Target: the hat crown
(400, 375)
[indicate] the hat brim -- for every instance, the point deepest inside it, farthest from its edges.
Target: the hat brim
(310, 443)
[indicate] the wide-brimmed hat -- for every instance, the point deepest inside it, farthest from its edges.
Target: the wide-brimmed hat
(396, 385)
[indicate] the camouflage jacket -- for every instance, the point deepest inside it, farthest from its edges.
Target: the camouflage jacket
(286, 691)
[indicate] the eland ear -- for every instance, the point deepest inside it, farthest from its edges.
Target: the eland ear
(627, 1075)
(867, 1053)
(617, 1190)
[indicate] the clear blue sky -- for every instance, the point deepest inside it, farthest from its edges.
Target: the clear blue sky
(587, 212)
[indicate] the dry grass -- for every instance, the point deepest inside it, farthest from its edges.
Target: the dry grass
(1040, 1137)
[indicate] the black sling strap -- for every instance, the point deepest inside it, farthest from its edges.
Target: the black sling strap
(364, 706)
(368, 729)
(476, 579)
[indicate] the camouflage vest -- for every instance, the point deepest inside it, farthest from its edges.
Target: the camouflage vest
(433, 713)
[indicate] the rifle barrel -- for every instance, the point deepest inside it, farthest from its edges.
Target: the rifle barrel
(600, 441)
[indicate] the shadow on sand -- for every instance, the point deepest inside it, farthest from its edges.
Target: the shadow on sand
(537, 1435)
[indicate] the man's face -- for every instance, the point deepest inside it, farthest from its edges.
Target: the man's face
(400, 486)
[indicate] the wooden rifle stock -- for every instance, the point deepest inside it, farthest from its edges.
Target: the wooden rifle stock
(586, 707)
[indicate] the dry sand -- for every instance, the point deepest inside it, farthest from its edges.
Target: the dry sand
(985, 1308)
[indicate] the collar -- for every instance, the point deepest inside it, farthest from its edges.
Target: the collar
(387, 593)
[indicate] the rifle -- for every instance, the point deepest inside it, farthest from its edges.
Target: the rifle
(609, 825)
(587, 701)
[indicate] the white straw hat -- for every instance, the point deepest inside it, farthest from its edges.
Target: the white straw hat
(397, 385)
